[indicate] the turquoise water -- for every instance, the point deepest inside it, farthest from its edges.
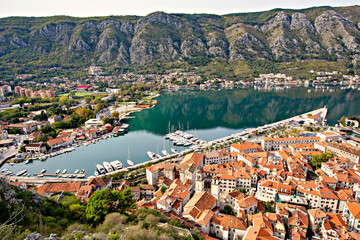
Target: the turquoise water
(207, 115)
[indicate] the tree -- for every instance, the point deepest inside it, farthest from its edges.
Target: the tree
(163, 189)
(98, 107)
(100, 204)
(57, 125)
(228, 210)
(46, 129)
(115, 114)
(107, 120)
(267, 206)
(88, 100)
(126, 201)
(77, 210)
(317, 160)
(64, 100)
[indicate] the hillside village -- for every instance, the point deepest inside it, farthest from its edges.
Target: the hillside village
(281, 188)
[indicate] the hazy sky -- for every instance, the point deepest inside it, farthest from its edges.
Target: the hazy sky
(84, 8)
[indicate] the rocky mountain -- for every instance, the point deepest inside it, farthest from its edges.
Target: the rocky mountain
(276, 35)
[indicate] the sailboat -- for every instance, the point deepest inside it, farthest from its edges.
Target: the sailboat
(164, 152)
(129, 162)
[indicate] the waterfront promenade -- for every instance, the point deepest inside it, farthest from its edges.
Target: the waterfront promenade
(321, 112)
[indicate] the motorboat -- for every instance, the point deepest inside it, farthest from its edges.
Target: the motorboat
(108, 166)
(151, 155)
(117, 165)
(100, 169)
(21, 172)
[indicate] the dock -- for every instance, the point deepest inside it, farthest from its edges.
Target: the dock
(68, 175)
(179, 135)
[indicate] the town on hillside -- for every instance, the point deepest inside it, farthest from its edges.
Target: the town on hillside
(300, 181)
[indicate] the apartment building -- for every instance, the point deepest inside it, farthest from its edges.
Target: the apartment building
(273, 144)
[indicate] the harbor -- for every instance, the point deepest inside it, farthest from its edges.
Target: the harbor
(148, 130)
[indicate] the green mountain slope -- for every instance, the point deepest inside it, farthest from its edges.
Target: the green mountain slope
(277, 35)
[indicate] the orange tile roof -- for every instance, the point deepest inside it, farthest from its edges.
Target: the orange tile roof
(55, 141)
(190, 158)
(317, 213)
(98, 182)
(258, 233)
(227, 177)
(202, 201)
(228, 221)
(336, 219)
(58, 187)
(247, 202)
(344, 195)
(205, 217)
(155, 167)
(291, 139)
(246, 146)
(299, 219)
(237, 194)
(354, 208)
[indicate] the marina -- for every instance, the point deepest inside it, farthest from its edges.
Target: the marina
(147, 132)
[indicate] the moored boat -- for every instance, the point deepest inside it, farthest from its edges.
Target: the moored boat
(21, 172)
(129, 162)
(117, 165)
(43, 170)
(151, 155)
(64, 171)
(100, 169)
(108, 167)
(164, 152)
(57, 171)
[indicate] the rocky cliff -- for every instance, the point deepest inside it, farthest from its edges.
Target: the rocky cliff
(281, 35)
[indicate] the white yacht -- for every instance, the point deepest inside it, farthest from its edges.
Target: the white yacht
(76, 171)
(174, 150)
(151, 155)
(165, 153)
(43, 170)
(117, 165)
(100, 169)
(57, 171)
(64, 171)
(108, 167)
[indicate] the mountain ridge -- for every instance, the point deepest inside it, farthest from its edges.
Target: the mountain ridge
(275, 35)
